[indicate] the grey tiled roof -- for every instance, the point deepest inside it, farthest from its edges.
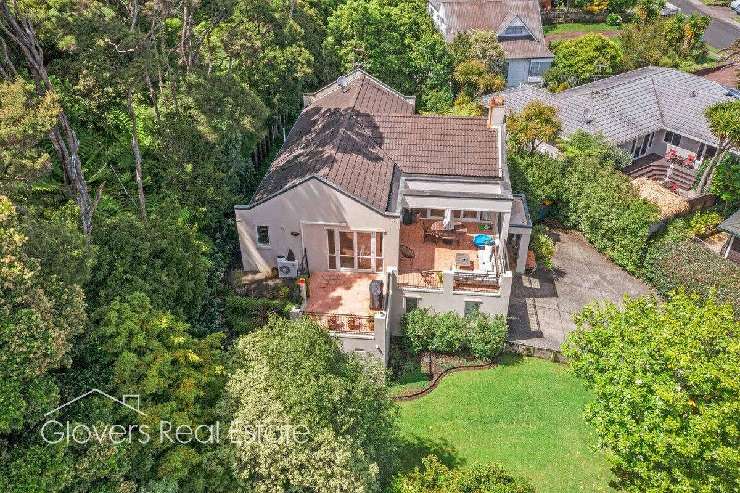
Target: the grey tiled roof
(358, 138)
(732, 224)
(632, 104)
(495, 15)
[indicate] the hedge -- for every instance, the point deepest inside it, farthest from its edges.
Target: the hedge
(688, 265)
(480, 335)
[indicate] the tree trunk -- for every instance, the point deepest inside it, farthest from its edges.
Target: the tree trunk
(65, 141)
(706, 176)
(137, 156)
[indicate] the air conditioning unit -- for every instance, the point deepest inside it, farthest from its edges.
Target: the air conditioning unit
(287, 269)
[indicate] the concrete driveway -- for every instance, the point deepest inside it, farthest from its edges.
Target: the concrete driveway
(542, 304)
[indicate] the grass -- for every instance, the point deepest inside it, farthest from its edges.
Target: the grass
(577, 27)
(525, 414)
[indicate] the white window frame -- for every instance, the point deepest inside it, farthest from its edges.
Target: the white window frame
(257, 236)
(375, 259)
(477, 219)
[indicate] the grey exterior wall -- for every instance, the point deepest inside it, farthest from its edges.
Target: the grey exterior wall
(308, 210)
(518, 72)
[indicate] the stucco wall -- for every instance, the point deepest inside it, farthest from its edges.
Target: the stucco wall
(659, 147)
(444, 300)
(308, 209)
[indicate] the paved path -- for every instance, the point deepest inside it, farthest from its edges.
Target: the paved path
(542, 305)
(724, 28)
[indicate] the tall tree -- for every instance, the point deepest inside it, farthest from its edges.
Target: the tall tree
(724, 120)
(18, 28)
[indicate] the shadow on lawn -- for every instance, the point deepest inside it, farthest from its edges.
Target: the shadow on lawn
(414, 448)
(509, 359)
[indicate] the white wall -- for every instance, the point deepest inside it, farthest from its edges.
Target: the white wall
(308, 209)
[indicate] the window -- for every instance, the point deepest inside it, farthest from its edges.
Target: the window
(437, 213)
(537, 69)
(641, 147)
(514, 31)
(263, 235)
(411, 304)
(472, 307)
(672, 138)
(632, 149)
(355, 250)
(470, 214)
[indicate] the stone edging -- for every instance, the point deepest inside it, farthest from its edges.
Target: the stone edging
(433, 385)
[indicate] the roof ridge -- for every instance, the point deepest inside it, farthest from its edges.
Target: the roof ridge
(658, 102)
(625, 80)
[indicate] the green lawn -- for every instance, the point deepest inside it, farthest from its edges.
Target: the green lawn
(583, 28)
(525, 414)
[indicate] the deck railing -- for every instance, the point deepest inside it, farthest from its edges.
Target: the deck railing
(472, 281)
(344, 323)
(428, 279)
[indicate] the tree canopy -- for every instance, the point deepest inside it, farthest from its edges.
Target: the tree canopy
(667, 397)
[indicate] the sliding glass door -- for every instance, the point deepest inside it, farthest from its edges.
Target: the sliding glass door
(355, 250)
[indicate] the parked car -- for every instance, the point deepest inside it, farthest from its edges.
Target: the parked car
(735, 6)
(669, 9)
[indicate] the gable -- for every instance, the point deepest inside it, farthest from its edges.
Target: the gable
(515, 28)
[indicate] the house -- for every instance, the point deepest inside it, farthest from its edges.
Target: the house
(517, 24)
(381, 206)
(731, 226)
(655, 114)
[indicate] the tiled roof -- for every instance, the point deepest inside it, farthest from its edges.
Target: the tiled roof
(732, 224)
(356, 139)
(632, 104)
(495, 15)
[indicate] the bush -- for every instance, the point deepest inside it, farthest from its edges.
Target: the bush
(583, 59)
(601, 202)
(435, 477)
(542, 245)
(670, 265)
(614, 19)
(704, 223)
(480, 335)
(244, 314)
(666, 394)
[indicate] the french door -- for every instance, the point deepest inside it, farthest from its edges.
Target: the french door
(355, 250)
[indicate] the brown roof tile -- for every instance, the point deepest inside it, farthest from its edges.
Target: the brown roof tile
(355, 139)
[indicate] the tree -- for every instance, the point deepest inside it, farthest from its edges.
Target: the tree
(479, 67)
(726, 181)
(724, 120)
(340, 429)
(666, 393)
(395, 41)
(435, 477)
(536, 124)
(583, 59)
(24, 122)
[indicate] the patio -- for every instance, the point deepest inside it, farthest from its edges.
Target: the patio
(340, 292)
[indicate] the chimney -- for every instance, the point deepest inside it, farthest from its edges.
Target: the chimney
(496, 111)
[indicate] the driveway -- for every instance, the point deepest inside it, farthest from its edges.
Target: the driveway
(542, 304)
(724, 28)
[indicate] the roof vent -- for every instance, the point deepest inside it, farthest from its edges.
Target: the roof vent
(692, 94)
(343, 83)
(587, 115)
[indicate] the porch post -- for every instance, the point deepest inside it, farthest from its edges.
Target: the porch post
(448, 281)
(521, 257)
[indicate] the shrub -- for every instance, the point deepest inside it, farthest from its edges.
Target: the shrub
(666, 394)
(671, 265)
(435, 477)
(542, 245)
(244, 314)
(614, 19)
(481, 335)
(582, 60)
(601, 202)
(704, 223)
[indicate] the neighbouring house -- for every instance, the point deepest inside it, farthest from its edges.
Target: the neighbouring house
(516, 22)
(731, 226)
(381, 207)
(655, 114)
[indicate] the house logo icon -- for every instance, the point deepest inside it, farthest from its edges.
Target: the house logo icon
(130, 401)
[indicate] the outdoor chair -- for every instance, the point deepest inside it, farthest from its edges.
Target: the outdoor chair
(428, 233)
(407, 255)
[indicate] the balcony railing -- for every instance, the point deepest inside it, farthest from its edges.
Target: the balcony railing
(479, 282)
(344, 323)
(428, 279)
